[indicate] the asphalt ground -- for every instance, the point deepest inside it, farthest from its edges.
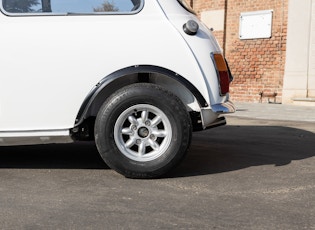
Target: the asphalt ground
(250, 174)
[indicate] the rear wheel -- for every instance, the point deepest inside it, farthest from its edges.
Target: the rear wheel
(143, 131)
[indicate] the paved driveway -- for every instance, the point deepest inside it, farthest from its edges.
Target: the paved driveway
(251, 174)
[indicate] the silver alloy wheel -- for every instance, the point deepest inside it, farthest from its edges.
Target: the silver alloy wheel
(143, 132)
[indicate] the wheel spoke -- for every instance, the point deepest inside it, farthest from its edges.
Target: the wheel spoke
(156, 121)
(144, 115)
(127, 131)
(141, 150)
(130, 143)
(159, 133)
(132, 120)
(154, 145)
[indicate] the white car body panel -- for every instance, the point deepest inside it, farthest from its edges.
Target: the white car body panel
(49, 64)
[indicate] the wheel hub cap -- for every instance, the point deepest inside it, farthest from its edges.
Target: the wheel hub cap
(143, 132)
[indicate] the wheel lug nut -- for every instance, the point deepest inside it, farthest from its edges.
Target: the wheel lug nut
(138, 142)
(147, 123)
(134, 127)
(152, 137)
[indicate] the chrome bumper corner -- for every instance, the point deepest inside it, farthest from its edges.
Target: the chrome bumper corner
(222, 108)
(210, 116)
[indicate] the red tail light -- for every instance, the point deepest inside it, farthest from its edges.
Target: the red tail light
(222, 73)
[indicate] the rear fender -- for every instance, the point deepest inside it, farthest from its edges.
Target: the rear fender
(118, 79)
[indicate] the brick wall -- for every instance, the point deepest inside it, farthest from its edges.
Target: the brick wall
(206, 5)
(258, 64)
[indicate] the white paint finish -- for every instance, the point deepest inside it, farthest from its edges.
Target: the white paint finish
(213, 19)
(256, 24)
(311, 64)
(49, 64)
(298, 53)
(202, 44)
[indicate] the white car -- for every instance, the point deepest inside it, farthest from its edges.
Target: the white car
(136, 76)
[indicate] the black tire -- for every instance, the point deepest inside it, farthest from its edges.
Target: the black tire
(143, 131)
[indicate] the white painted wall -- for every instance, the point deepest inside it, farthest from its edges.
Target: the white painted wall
(213, 19)
(299, 78)
(311, 75)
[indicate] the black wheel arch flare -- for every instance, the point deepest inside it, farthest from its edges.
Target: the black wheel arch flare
(137, 69)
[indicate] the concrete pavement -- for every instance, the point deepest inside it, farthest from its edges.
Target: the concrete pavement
(277, 112)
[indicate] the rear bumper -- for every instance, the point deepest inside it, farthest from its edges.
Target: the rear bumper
(210, 117)
(222, 108)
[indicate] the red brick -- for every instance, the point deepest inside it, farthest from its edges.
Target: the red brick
(256, 64)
